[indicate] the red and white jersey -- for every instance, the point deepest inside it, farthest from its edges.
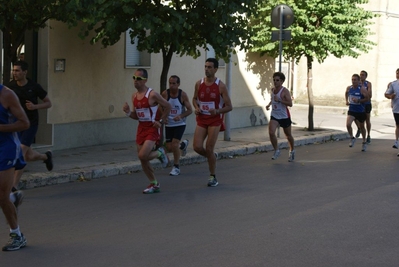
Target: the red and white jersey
(208, 98)
(146, 114)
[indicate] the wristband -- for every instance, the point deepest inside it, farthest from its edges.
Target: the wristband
(128, 114)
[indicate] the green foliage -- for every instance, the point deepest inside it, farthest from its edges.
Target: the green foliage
(182, 26)
(321, 28)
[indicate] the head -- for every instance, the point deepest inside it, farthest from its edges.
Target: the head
(397, 74)
(278, 79)
(174, 82)
(140, 78)
(211, 67)
(363, 75)
(355, 80)
(19, 70)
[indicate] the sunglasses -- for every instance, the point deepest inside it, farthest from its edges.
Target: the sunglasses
(138, 78)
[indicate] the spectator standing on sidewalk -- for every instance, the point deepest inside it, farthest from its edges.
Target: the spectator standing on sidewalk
(367, 84)
(393, 93)
(356, 96)
(12, 120)
(211, 100)
(280, 115)
(145, 110)
(28, 93)
(174, 129)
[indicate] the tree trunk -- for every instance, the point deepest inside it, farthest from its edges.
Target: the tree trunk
(310, 94)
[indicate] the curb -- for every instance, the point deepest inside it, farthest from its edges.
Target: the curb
(42, 179)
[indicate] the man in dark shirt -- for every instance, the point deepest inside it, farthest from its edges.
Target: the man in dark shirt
(28, 93)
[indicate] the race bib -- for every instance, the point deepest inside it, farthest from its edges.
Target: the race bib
(206, 106)
(143, 114)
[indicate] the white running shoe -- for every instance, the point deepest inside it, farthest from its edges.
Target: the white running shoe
(175, 171)
(352, 142)
(184, 150)
(276, 154)
(291, 156)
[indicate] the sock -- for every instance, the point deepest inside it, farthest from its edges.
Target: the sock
(176, 165)
(159, 154)
(154, 182)
(213, 175)
(12, 197)
(15, 231)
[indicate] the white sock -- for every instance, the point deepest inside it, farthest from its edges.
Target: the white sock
(15, 231)
(12, 197)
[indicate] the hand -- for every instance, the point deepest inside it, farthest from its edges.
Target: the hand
(267, 107)
(126, 108)
(30, 106)
(197, 111)
(177, 118)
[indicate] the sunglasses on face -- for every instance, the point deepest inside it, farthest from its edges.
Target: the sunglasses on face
(138, 78)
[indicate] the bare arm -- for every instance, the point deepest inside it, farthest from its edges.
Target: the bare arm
(186, 103)
(286, 98)
(364, 92)
(156, 98)
(347, 95)
(130, 113)
(370, 90)
(46, 104)
(197, 110)
(227, 101)
(10, 101)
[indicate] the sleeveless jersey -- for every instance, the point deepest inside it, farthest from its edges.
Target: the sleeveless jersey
(209, 97)
(354, 95)
(10, 146)
(146, 114)
(279, 110)
(177, 109)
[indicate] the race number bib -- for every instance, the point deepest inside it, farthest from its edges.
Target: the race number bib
(206, 106)
(143, 114)
(354, 99)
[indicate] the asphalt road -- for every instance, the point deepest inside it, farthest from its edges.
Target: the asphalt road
(334, 206)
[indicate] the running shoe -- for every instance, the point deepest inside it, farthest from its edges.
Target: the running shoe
(352, 142)
(212, 181)
(276, 154)
(216, 154)
(184, 150)
(364, 146)
(358, 133)
(49, 160)
(15, 242)
(368, 139)
(163, 158)
(291, 157)
(152, 188)
(175, 171)
(396, 145)
(19, 197)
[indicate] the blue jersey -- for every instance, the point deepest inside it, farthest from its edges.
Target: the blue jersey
(10, 147)
(353, 96)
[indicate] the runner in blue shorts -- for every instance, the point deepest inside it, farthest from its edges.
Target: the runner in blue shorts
(12, 120)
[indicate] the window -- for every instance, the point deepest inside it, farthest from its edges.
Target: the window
(133, 57)
(211, 53)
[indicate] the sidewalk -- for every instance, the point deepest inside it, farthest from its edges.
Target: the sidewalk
(113, 159)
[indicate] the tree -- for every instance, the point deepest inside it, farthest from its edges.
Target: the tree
(19, 16)
(168, 27)
(320, 29)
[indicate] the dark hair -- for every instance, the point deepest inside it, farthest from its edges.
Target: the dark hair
(356, 75)
(214, 61)
(176, 77)
(280, 75)
(365, 72)
(144, 72)
(23, 64)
